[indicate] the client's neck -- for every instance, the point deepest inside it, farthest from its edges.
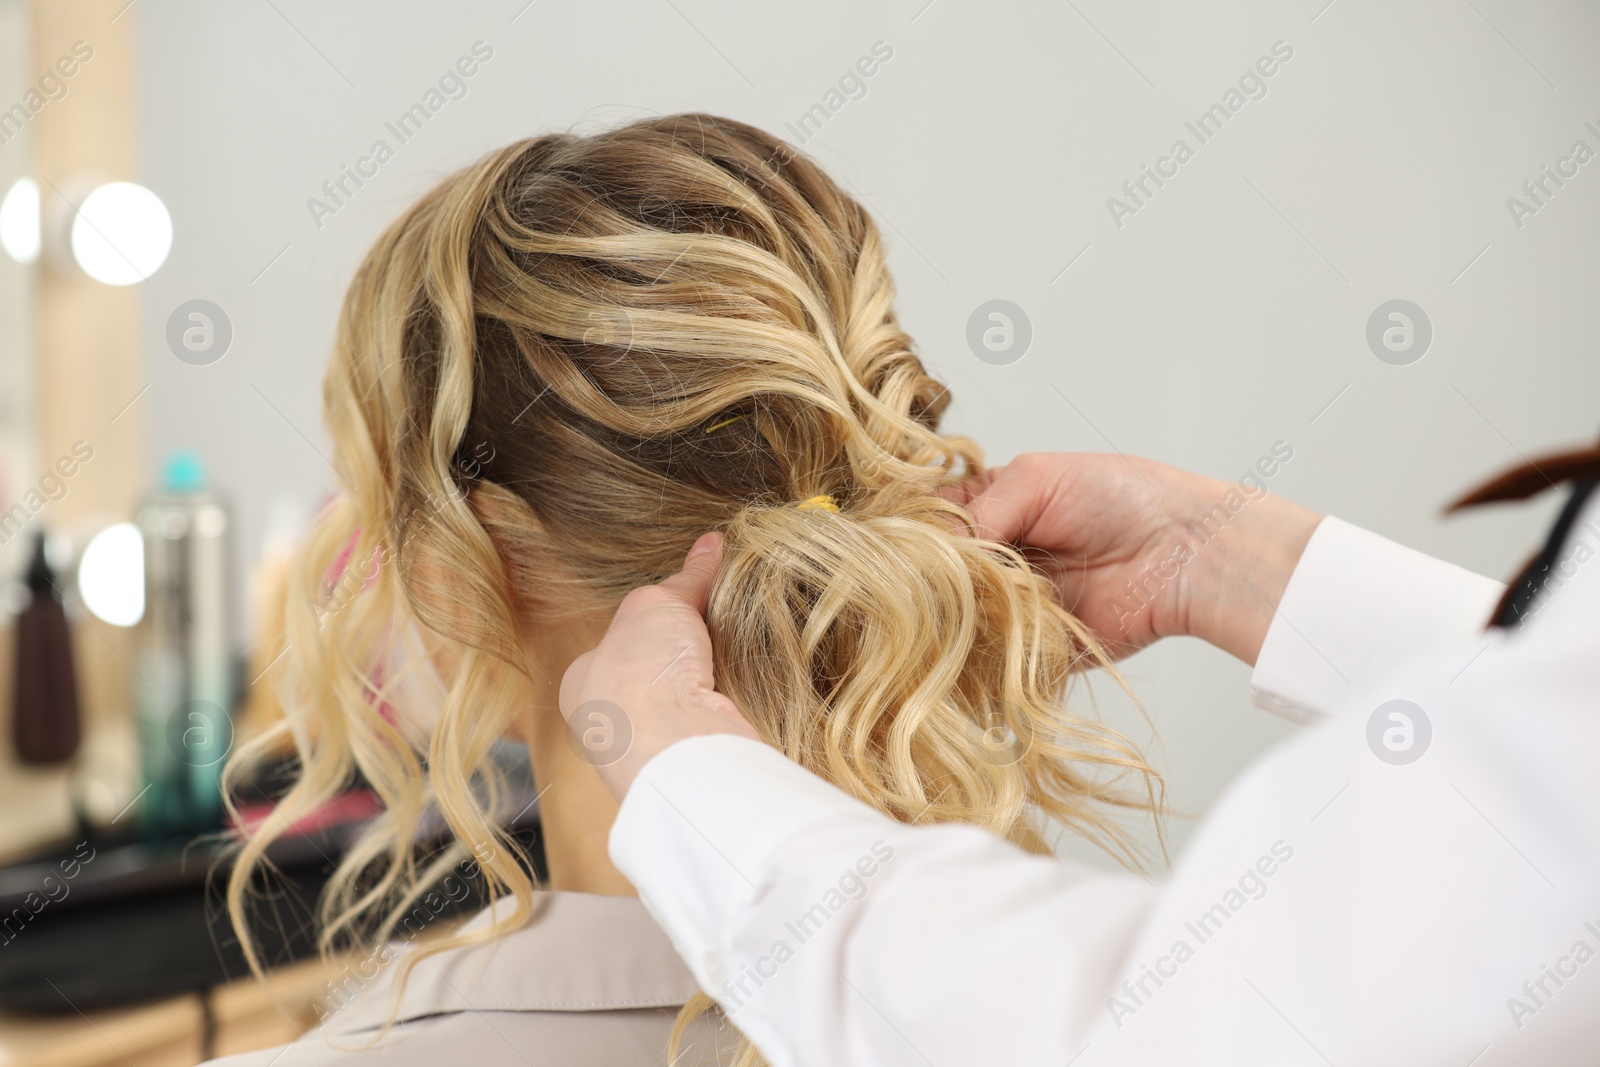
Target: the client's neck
(576, 809)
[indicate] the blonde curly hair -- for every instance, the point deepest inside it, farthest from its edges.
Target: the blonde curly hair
(601, 347)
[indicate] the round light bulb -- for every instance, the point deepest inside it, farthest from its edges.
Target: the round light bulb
(121, 233)
(111, 574)
(19, 221)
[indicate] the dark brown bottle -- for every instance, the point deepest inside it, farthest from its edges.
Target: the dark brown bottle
(44, 715)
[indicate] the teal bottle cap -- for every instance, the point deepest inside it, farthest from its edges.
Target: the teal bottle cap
(184, 472)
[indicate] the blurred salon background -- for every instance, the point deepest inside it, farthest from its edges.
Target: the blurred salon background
(1340, 250)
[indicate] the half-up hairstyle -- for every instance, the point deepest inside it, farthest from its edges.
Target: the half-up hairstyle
(597, 348)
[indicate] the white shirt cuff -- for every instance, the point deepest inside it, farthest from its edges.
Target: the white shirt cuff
(1359, 606)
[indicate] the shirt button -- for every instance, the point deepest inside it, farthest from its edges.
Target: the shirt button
(711, 963)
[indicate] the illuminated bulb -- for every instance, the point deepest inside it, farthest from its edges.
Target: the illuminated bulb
(19, 221)
(111, 574)
(121, 233)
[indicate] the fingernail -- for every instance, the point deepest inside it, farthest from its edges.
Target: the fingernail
(704, 546)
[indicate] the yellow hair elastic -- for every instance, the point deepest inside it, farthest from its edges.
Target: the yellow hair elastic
(818, 503)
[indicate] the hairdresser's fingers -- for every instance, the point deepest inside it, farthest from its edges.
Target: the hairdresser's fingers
(1005, 503)
(963, 491)
(693, 584)
(664, 621)
(650, 681)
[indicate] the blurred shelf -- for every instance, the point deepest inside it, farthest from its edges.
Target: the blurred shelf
(171, 1033)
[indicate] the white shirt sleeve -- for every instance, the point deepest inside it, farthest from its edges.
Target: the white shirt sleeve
(1357, 607)
(1437, 901)
(831, 934)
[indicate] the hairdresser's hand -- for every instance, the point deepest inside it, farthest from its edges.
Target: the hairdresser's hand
(651, 675)
(1123, 540)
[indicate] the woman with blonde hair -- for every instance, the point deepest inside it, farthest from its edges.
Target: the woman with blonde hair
(552, 374)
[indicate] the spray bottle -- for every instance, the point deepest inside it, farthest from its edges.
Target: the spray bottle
(187, 653)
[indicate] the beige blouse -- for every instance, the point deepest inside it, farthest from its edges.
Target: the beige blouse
(592, 980)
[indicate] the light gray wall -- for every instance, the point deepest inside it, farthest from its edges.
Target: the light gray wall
(1224, 316)
(17, 337)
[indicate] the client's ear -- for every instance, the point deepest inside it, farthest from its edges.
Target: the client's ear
(515, 533)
